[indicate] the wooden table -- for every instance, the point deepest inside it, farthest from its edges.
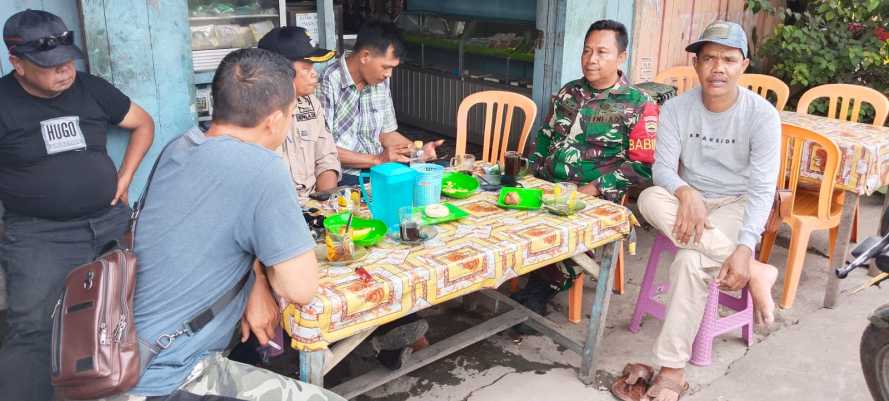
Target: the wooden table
(864, 167)
(476, 254)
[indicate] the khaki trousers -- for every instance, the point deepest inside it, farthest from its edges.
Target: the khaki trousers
(692, 269)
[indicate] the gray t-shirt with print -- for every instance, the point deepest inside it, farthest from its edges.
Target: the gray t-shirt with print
(214, 205)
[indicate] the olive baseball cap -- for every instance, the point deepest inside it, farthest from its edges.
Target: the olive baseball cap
(40, 37)
(294, 43)
(724, 33)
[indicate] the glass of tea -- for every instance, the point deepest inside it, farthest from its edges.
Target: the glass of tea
(514, 164)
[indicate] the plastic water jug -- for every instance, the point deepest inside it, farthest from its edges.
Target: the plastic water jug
(392, 187)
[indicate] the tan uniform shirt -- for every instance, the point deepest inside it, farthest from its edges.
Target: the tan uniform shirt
(309, 149)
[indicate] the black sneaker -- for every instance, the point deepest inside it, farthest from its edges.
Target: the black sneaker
(536, 295)
(402, 336)
(394, 359)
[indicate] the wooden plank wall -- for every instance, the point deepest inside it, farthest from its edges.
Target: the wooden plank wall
(144, 49)
(65, 9)
(664, 27)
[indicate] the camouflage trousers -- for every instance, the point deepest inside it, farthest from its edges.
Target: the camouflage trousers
(219, 376)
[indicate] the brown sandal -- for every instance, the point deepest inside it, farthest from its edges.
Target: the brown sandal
(633, 383)
(662, 383)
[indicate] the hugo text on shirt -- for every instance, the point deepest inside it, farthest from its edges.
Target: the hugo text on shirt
(62, 134)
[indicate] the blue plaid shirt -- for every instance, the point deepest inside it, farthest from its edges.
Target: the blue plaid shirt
(355, 118)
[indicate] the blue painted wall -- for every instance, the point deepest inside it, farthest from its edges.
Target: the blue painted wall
(144, 49)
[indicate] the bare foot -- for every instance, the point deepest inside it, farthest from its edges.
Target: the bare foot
(762, 278)
(668, 385)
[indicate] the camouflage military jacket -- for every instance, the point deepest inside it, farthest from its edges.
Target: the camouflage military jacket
(585, 138)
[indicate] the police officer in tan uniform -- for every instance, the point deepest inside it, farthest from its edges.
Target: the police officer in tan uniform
(309, 148)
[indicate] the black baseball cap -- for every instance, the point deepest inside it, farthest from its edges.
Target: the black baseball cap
(294, 43)
(23, 30)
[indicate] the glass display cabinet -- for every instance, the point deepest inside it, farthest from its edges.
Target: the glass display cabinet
(219, 27)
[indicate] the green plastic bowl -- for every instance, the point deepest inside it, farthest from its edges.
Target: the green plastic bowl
(365, 232)
(458, 185)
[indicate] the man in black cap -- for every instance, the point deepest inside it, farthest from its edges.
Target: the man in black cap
(64, 198)
(309, 148)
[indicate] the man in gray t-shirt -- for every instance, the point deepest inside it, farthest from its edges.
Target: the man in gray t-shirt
(217, 203)
(715, 171)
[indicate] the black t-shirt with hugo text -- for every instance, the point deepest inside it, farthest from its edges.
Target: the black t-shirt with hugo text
(53, 159)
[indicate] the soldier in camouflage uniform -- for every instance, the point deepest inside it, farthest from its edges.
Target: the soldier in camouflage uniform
(585, 139)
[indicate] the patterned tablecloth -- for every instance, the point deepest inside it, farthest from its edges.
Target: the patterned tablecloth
(864, 150)
(483, 250)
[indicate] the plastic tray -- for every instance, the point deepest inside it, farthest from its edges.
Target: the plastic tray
(529, 198)
(455, 214)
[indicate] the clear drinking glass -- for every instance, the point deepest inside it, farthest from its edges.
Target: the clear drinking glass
(464, 163)
(410, 224)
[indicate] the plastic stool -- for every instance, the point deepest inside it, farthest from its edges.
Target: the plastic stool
(712, 325)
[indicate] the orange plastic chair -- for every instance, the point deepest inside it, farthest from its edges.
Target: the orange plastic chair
(683, 77)
(763, 84)
(575, 293)
(498, 104)
(841, 98)
(811, 210)
(846, 96)
(496, 137)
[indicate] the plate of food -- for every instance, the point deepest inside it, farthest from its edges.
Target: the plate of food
(563, 208)
(336, 256)
(365, 232)
(441, 213)
(520, 198)
(458, 185)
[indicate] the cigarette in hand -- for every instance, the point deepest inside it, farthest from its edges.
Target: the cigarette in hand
(274, 345)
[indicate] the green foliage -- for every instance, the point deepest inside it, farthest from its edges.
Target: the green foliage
(832, 41)
(755, 6)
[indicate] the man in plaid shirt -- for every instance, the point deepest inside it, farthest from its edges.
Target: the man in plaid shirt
(358, 104)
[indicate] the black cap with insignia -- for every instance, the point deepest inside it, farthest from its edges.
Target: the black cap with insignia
(294, 43)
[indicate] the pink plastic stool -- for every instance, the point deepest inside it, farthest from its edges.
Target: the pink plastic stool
(712, 324)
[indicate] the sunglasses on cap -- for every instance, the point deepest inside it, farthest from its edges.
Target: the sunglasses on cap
(45, 43)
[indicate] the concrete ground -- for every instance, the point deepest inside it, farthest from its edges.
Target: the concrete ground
(813, 355)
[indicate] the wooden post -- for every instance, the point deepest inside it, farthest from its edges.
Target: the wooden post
(841, 249)
(596, 328)
(872, 270)
(311, 367)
